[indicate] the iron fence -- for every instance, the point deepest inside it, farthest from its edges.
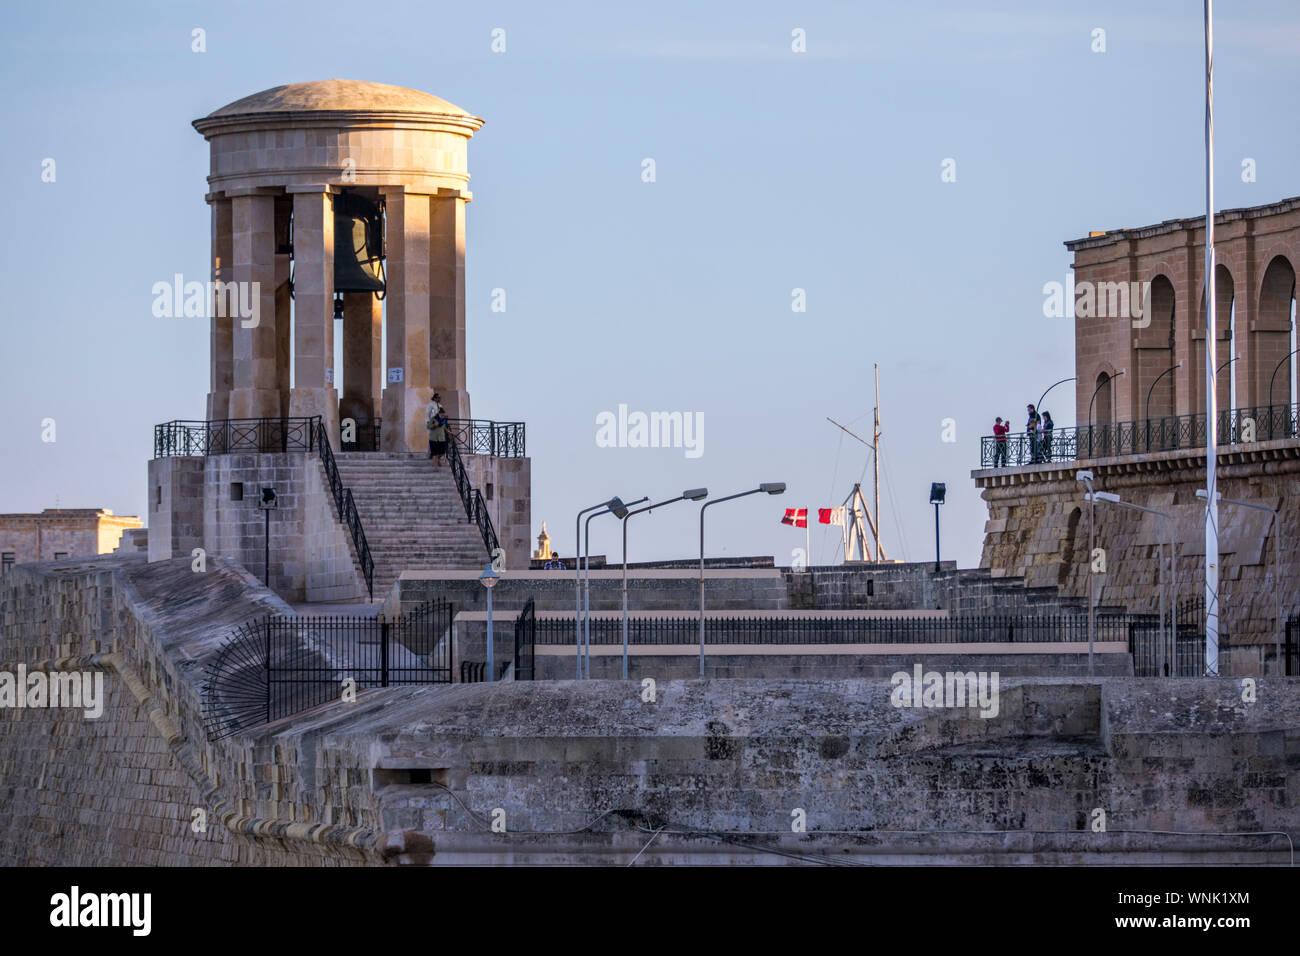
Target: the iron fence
(279, 666)
(525, 639)
(1291, 651)
(347, 510)
(479, 436)
(475, 507)
(233, 435)
(1183, 651)
(758, 629)
(1112, 439)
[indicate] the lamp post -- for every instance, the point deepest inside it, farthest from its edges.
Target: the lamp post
(489, 579)
(692, 494)
(620, 510)
(768, 487)
(1164, 536)
(1270, 397)
(938, 490)
(1146, 411)
(1085, 476)
(1277, 560)
(577, 583)
(1231, 407)
(1039, 406)
(267, 503)
(1109, 379)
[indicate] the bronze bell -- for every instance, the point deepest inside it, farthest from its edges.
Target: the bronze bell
(358, 244)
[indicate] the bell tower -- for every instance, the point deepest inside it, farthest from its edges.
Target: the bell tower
(339, 200)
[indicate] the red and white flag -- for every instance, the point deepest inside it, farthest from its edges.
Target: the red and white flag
(831, 516)
(797, 517)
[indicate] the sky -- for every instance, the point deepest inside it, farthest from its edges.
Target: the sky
(775, 171)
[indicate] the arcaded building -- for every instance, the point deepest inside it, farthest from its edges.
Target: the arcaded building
(1140, 407)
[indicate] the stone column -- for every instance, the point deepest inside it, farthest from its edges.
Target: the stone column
(283, 304)
(363, 325)
(447, 301)
(313, 308)
(255, 392)
(408, 320)
(221, 349)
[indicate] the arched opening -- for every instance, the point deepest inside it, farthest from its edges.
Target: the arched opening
(1271, 335)
(1153, 354)
(1225, 344)
(1103, 404)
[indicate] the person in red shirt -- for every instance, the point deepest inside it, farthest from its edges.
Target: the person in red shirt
(1000, 430)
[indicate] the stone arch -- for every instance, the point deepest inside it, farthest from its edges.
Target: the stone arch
(1153, 353)
(1225, 345)
(1270, 334)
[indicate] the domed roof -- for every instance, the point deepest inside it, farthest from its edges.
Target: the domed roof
(338, 95)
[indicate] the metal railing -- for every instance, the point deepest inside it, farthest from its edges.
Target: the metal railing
(230, 436)
(233, 435)
(1184, 642)
(1291, 651)
(475, 507)
(479, 436)
(1070, 628)
(525, 641)
(347, 510)
(279, 666)
(1110, 439)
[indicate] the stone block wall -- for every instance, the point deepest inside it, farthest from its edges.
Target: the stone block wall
(212, 503)
(1038, 529)
(176, 495)
(509, 501)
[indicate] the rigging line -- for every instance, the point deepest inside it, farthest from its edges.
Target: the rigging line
(830, 496)
(893, 505)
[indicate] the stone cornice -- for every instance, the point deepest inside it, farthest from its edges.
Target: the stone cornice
(462, 125)
(1175, 466)
(1175, 225)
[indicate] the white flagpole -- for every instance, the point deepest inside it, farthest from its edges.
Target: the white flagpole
(1211, 366)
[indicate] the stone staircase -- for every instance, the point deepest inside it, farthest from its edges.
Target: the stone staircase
(412, 515)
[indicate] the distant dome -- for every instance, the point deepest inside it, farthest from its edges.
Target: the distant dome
(338, 95)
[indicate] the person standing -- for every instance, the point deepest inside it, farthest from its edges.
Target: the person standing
(438, 440)
(432, 412)
(1031, 432)
(1048, 425)
(1000, 430)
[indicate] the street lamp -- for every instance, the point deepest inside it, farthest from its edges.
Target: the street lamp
(1146, 412)
(577, 571)
(768, 487)
(267, 503)
(1277, 557)
(1039, 406)
(1270, 397)
(692, 494)
(1085, 476)
(489, 579)
(619, 509)
(938, 490)
(1164, 538)
(1109, 380)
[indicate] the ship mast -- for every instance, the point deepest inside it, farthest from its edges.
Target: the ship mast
(875, 457)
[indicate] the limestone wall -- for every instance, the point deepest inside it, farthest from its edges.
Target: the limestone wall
(123, 789)
(510, 504)
(1038, 528)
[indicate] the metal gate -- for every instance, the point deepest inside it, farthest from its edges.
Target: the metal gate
(279, 666)
(525, 642)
